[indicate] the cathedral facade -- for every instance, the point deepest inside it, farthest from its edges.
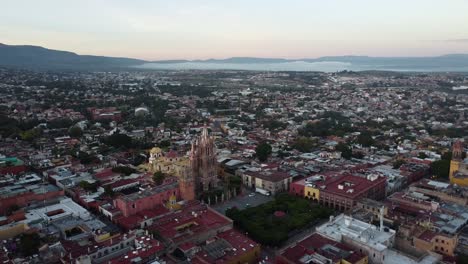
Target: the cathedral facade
(171, 163)
(203, 162)
(196, 173)
(458, 166)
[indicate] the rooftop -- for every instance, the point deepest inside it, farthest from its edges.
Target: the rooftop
(358, 231)
(317, 245)
(268, 175)
(352, 186)
(168, 185)
(227, 245)
(194, 218)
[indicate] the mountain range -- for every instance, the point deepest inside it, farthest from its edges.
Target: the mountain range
(25, 56)
(35, 57)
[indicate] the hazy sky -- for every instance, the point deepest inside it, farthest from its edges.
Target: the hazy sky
(192, 29)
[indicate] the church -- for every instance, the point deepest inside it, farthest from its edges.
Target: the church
(197, 172)
(458, 166)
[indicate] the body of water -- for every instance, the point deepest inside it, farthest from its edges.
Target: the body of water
(326, 66)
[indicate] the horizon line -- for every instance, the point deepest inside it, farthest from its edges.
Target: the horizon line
(231, 57)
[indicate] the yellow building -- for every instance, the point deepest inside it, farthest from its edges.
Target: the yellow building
(458, 173)
(169, 163)
(13, 229)
(312, 192)
(173, 164)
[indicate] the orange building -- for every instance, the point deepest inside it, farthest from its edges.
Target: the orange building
(437, 242)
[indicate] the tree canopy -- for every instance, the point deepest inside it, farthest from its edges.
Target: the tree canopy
(158, 177)
(263, 150)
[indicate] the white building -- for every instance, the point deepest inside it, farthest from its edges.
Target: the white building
(375, 242)
(366, 238)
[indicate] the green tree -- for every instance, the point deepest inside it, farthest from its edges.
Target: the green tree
(263, 150)
(12, 208)
(85, 185)
(397, 163)
(30, 135)
(109, 191)
(441, 168)
(75, 131)
(304, 144)
(119, 140)
(158, 177)
(124, 170)
(422, 155)
(365, 139)
(86, 158)
(345, 150)
(29, 244)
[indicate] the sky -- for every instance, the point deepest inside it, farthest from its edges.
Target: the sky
(202, 29)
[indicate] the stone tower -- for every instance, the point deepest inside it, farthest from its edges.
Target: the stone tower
(203, 162)
(457, 151)
(187, 186)
(457, 155)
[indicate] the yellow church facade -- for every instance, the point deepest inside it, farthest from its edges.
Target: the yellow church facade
(458, 173)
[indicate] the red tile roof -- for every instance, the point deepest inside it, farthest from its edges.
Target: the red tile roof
(149, 248)
(351, 186)
(427, 235)
(318, 244)
(196, 217)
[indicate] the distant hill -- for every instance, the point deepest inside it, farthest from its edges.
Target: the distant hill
(25, 56)
(450, 60)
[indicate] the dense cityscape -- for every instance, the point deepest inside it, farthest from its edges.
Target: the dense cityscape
(231, 166)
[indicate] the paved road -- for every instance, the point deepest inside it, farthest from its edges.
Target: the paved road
(244, 200)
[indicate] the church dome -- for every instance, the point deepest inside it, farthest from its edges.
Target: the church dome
(155, 150)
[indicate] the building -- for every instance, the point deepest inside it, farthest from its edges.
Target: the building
(343, 192)
(413, 200)
(363, 237)
(193, 223)
(146, 249)
(228, 247)
(11, 165)
(458, 166)
(443, 191)
(338, 190)
(414, 171)
(316, 248)
(272, 181)
(171, 163)
(436, 241)
(147, 199)
(112, 249)
(17, 196)
(203, 162)
(109, 113)
(310, 186)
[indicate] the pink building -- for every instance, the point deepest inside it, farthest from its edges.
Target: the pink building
(147, 199)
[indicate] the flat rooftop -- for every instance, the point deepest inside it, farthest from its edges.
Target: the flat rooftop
(150, 191)
(356, 230)
(14, 190)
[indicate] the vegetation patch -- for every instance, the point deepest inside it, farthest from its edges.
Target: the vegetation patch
(263, 224)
